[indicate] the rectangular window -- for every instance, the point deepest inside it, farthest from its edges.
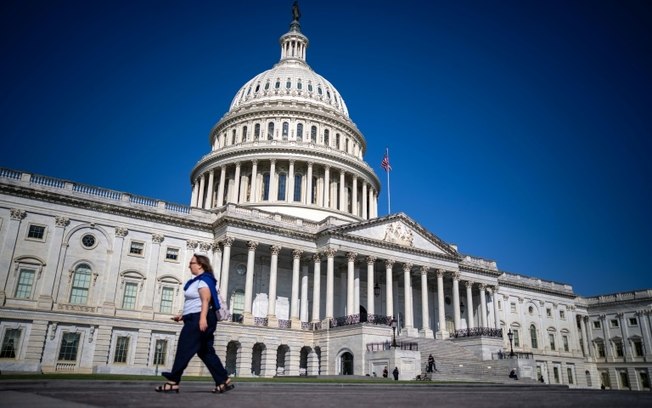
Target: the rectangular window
(121, 350)
(10, 343)
(562, 315)
(80, 284)
(596, 324)
(564, 340)
(167, 300)
(172, 254)
(633, 321)
(160, 352)
(517, 340)
(25, 283)
(551, 338)
(129, 298)
(600, 347)
(137, 248)
(645, 379)
(36, 232)
(69, 346)
(638, 348)
(614, 323)
(569, 372)
(512, 307)
(500, 305)
(549, 312)
(555, 373)
(619, 349)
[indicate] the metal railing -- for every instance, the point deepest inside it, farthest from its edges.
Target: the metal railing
(478, 332)
(387, 345)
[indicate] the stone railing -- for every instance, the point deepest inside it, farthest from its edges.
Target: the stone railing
(102, 193)
(387, 345)
(478, 332)
(620, 297)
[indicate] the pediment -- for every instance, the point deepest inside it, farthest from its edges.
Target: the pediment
(399, 230)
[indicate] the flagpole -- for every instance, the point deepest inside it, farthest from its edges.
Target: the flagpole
(389, 202)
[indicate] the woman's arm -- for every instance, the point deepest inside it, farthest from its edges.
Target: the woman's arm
(205, 296)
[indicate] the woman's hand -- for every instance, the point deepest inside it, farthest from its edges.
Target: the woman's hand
(177, 318)
(203, 324)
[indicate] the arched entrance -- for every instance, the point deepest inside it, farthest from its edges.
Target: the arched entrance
(346, 364)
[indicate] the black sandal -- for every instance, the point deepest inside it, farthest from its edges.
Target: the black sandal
(222, 388)
(168, 387)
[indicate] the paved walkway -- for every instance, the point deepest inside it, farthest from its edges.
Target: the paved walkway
(140, 394)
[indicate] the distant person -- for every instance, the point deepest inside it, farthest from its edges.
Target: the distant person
(385, 372)
(541, 379)
(395, 372)
(431, 364)
(512, 374)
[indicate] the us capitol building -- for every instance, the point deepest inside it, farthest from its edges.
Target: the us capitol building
(317, 283)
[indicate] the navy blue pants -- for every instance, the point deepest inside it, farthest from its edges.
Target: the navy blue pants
(193, 341)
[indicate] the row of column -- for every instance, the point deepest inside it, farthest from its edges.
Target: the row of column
(299, 291)
(643, 318)
(208, 192)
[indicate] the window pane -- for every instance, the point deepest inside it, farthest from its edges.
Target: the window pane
(136, 248)
(297, 187)
(281, 186)
(80, 283)
(129, 298)
(25, 282)
(121, 350)
(172, 254)
(10, 343)
(160, 351)
(36, 232)
(167, 297)
(69, 345)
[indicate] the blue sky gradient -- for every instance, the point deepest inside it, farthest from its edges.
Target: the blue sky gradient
(518, 130)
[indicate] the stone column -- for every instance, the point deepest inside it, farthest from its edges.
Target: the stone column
(354, 196)
(389, 264)
(494, 300)
(589, 337)
(585, 345)
(350, 272)
(209, 196)
(442, 333)
(272, 321)
(226, 263)
(304, 295)
(469, 304)
(456, 299)
(425, 315)
(273, 184)
(202, 190)
(316, 298)
(327, 187)
(308, 199)
(217, 261)
(294, 303)
(235, 194)
(11, 236)
(342, 203)
(643, 318)
(253, 184)
(364, 200)
(289, 196)
(330, 255)
(193, 197)
(220, 188)
(483, 305)
(249, 281)
(407, 295)
(370, 285)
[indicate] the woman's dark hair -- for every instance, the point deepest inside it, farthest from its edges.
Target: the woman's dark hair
(204, 262)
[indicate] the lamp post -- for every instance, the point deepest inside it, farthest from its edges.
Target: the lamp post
(393, 323)
(510, 335)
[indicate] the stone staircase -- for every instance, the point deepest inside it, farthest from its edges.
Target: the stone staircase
(456, 363)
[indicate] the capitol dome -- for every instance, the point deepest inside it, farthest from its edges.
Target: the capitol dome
(288, 146)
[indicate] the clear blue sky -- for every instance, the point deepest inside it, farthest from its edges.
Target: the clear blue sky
(518, 130)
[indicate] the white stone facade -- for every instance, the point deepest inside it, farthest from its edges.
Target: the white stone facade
(90, 277)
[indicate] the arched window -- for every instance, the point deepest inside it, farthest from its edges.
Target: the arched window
(313, 134)
(265, 186)
(337, 141)
(232, 140)
(286, 130)
(277, 85)
(309, 87)
(533, 337)
(257, 88)
(270, 131)
(81, 282)
(288, 83)
(349, 200)
(267, 85)
(282, 179)
(327, 137)
(313, 193)
(244, 134)
(299, 86)
(257, 131)
(300, 132)
(298, 179)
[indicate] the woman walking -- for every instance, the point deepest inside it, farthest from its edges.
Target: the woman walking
(199, 323)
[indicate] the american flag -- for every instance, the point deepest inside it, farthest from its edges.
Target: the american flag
(385, 163)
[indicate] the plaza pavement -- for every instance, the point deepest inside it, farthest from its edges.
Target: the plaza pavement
(194, 394)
